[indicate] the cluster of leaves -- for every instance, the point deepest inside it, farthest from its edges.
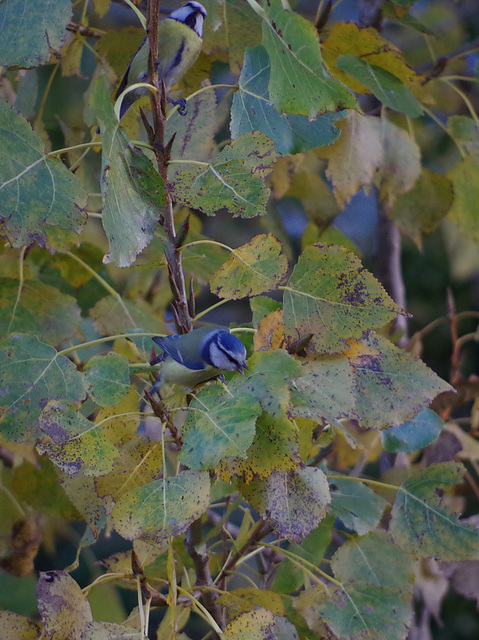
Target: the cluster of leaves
(263, 463)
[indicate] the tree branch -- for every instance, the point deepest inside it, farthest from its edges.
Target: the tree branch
(162, 154)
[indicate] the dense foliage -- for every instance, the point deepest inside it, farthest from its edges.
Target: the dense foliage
(331, 491)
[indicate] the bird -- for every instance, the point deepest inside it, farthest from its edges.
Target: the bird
(180, 37)
(199, 355)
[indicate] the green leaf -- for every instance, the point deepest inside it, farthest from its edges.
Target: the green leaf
(359, 508)
(419, 211)
(133, 191)
(359, 611)
(37, 193)
(465, 131)
(162, 508)
(38, 486)
(107, 378)
(373, 597)
(254, 268)
(261, 306)
(325, 391)
(234, 180)
(31, 374)
(332, 296)
(290, 577)
(194, 132)
(253, 111)
(111, 316)
(298, 83)
(31, 32)
(421, 522)
(39, 309)
(218, 425)
(465, 181)
(76, 443)
(374, 559)
(293, 502)
(414, 434)
(267, 379)
(389, 377)
(384, 85)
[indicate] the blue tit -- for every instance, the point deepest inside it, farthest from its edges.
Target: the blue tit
(197, 356)
(179, 44)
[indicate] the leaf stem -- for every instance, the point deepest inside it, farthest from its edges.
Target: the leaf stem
(105, 284)
(21, 259)
(92, 343)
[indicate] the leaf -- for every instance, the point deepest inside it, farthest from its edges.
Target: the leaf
(63, 608)
(367, 44)
(325, 391)
(359, 508)
(240, 28)
(274, 448)
(81, 491)
(260, 624)
(371, 151)
(254, 268)
(107, 378)
(384, 85)
(234, 180)
(331, 296)
(298, 83)
(38, 486)
(373, 599)
(423, 525)
(133, 192)
(32, 32)
(267, 379)
(162, 508)
(38, 194)
(39, 309)
(194, 132)
(139, 463)
(419, 211)
(77, 444)
(290, 577)
(465, 131)
(389, 377)
(253, 111)
(374, 559)
(293, 502)
(31, 374)
(414, 434)
(14, 626)
(465, 181)
(112, 316)
(218, 425)
(246, 599)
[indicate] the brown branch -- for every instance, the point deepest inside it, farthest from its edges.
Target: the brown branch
(88, 32)
(162, 153)
(203, 573)
(388, 268)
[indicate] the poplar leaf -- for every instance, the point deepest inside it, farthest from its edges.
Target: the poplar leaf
(252, 269)
(38, 195)
(234, 179)
(162, 508)
(298, 83)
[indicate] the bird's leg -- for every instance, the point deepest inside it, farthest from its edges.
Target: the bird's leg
(181, 104)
